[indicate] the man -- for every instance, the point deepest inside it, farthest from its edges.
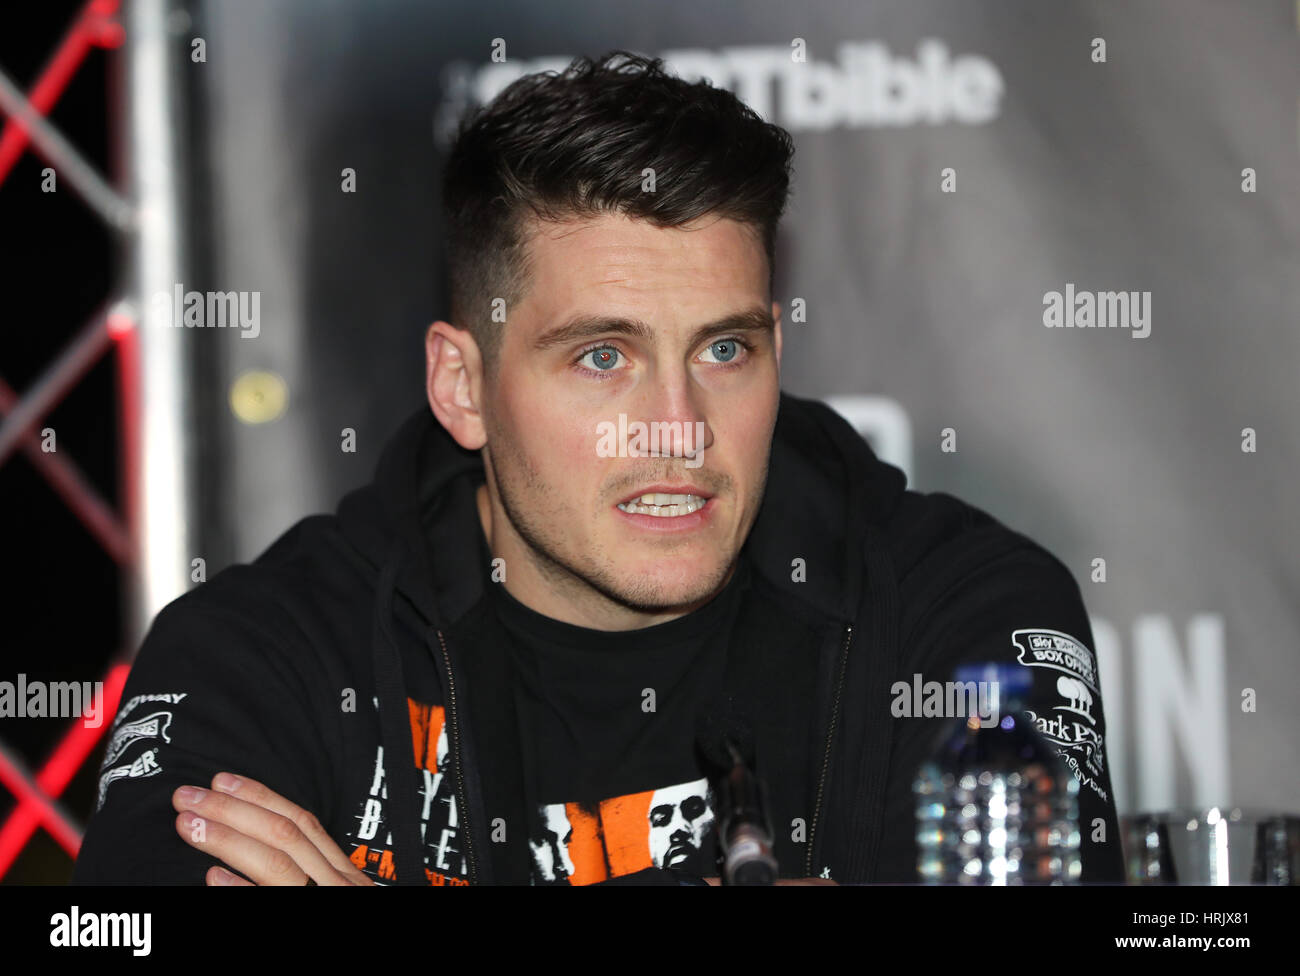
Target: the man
(552, 833)
(609, 525)
(680, 817)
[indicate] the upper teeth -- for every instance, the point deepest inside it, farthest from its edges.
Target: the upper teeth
(665, 506)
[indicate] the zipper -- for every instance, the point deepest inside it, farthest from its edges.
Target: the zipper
(462, 809)
(826, 759)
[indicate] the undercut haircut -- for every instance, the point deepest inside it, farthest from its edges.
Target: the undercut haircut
(575, 144)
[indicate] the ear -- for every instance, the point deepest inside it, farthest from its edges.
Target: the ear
(776, 333)
(454, 383)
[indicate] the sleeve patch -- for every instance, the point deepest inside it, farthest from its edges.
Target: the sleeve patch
(146, 764)
(156, 725)
(1063, 708)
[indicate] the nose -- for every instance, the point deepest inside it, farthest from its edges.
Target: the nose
(679, 823)
(672, 402)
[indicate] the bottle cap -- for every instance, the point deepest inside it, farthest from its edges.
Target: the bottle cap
(1010, 682)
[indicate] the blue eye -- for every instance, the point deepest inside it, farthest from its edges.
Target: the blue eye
(603, 358)
(724, 350)
(609, 359)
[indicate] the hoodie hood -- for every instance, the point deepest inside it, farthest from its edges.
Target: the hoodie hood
(827, 495)
(825, 487)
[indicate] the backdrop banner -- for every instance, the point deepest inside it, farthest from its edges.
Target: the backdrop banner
(1044, 257)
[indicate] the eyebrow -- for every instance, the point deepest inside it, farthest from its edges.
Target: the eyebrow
(581, 327)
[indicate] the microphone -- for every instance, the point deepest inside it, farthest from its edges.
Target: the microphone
(744, 834)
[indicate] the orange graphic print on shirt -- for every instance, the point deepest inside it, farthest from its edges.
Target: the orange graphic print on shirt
(570, 843)
(370, 838)
(584, 844)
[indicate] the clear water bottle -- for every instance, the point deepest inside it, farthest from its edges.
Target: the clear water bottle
(996, 805)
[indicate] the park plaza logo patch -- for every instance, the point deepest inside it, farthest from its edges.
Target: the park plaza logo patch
(1064, 699)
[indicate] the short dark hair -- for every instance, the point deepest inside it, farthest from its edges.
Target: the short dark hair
(573, 144)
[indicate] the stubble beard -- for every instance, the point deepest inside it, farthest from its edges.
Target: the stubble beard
(544, 543)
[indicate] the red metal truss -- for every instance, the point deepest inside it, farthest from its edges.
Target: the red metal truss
(95, 26)
(37, 794)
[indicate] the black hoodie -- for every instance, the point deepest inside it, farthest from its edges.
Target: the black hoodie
(315, 666)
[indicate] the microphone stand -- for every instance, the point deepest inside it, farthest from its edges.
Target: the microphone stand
(743, 831)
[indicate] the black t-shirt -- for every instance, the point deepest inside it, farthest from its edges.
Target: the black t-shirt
(607, 775)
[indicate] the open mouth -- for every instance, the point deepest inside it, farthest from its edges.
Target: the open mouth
(665, 504)
(678, 854)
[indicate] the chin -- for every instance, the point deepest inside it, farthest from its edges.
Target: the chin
(663, 588)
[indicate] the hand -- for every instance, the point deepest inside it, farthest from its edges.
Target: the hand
(260, 834)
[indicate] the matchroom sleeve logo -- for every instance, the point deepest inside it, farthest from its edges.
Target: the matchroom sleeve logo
(149, 727)
(583, 844)
(146, 764)
(155, 725)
